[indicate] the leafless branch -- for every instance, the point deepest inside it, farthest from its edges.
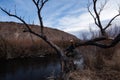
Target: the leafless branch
(109, 23)
(95, 42)
(89, 42)
(84, 43)
(95, 19)
(96, 16)
(102, 7)
(55, 47)
(39, 8)
(96, 13)
(38, 1)
(19, 18)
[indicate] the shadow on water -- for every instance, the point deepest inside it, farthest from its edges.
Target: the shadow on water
(29, 68)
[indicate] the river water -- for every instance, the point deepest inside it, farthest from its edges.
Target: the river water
(31, 68)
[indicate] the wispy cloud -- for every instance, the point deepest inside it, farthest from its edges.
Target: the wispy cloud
(81, 21)
(67, 15)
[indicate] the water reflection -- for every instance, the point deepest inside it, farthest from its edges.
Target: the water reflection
(29, 69)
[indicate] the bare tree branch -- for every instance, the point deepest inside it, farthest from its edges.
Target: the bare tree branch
(113, 43)
(55, 47)
(95, 42)
(84, 43)
(59, 51)
(95, 19)
(19, 18)
(96, 13)
(109, 23)
(96, 16)
(38, 1)
(102, 6)
(39, 8)
(43, 3)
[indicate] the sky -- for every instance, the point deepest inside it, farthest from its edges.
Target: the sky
(67, 15)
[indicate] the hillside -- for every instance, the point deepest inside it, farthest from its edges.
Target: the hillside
(16, 43)
(12, 31)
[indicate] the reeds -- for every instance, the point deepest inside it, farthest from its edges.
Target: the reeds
(100, 64)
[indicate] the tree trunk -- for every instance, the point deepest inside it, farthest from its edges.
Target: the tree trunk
(103, 33)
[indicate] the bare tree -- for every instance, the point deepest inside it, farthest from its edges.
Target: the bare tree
(61, 53)
(39, 5)
(97, 18)
(96, 42)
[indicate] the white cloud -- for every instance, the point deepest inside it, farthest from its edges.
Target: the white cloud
(72, 23)
(67, 15)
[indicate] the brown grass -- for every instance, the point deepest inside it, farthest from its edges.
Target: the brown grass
(106, 74)
(100, 64)
(14, 43)
(27, 48)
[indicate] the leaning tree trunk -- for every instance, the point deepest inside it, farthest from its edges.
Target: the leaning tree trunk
(67, 64)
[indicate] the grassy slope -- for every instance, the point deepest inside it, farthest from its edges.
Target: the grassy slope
(100, 64)
(15, 43)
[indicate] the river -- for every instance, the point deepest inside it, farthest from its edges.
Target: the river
(30, 68)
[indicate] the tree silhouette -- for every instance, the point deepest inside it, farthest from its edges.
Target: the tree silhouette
(60, 52)
(96, 14)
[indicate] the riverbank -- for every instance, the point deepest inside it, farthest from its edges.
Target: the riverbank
(14, 43)
(99, 64)
(39, 68)
(13, 49)
(105, 74)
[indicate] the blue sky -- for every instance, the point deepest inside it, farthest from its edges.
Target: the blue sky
(67, 15)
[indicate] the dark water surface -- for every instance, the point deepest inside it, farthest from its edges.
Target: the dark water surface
(29, 68)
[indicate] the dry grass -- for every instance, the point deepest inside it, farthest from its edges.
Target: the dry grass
(100, 64)
(14, 43)
(26, 48)
(106, 74)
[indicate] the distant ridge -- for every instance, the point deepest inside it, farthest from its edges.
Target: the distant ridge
(14, 31)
